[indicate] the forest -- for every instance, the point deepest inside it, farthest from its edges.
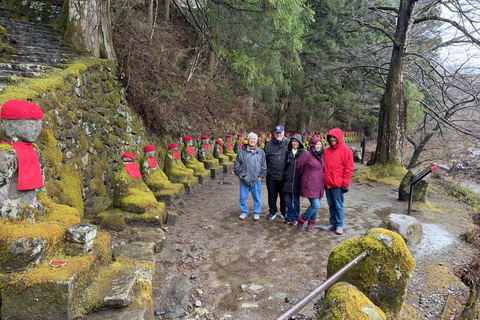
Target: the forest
(401, 70)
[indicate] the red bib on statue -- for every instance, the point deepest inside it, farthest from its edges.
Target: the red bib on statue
(152, 162)
(29, 171)
(133, 170)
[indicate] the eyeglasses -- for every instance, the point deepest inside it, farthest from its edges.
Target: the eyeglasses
(278, 132)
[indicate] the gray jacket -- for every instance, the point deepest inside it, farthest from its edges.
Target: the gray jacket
(250, 165)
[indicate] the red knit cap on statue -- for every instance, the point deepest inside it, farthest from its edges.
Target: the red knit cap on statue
(149, 148)
(187, 138)
(260, 133)
(228, 136)
(269, 134)
(218, 141)
(19, 109)
(172, 146)
(128, 155)
(204, 138)
(239, 135)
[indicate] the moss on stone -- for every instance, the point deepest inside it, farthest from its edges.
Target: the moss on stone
(113, 222)
(344, 301)
(383, 275)
(390, 175)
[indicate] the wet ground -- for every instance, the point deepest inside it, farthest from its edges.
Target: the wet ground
(215, 266)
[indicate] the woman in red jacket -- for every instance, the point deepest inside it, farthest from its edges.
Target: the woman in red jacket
(338, 174)
(310, 167)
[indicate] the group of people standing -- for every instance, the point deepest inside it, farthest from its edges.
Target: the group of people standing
(292, 172)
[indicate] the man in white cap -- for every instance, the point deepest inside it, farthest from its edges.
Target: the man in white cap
(250, 168)
(275, 152)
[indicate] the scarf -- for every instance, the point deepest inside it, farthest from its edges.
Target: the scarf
(190, 150)
(176, 155)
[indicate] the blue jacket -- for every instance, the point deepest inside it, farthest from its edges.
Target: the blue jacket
(250, 165)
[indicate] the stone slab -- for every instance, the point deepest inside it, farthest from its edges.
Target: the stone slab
(138, 251)
(120, 293)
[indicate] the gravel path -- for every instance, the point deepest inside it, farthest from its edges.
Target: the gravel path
(215, 266)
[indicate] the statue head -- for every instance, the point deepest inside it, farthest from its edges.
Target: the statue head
(205, 139)
(128, 157)
(173, 147)
(149, 151)
(187, 140)
(228, 137)
(21, 120)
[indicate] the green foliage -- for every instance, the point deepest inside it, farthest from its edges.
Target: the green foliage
(464, 195)
(261, 41)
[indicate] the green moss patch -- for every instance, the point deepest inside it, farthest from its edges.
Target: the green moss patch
(389, 175)
(344, 301)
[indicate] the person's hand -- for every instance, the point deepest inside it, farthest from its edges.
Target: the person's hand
(259, 178)
(344, 189)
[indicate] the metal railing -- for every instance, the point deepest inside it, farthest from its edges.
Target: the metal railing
(302, 303)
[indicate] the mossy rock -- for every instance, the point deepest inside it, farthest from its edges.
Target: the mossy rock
(419, 189)
(211, 164)
(113, 222)
(132, 194)
(383, 275)
(344, 301)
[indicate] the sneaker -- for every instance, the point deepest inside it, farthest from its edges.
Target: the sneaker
(328, 228)
(288, 221)
(271, 216)
(293, 223)
(339, 230)
(256, 217)
(243, 216)
(283, 216)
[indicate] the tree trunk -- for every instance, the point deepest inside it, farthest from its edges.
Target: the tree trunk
(90, 21)
(392, 118)
(167, 10)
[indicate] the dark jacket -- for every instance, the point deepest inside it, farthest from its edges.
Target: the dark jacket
(292, 178)
(311, 167)
(339, 162)
(250, 165)
(275, 152)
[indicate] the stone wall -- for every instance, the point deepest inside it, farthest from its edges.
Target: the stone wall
(87, 125)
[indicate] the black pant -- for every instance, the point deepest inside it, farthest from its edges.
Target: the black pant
(275, 188)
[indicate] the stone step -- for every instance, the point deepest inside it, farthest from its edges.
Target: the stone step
(40, 60)
(28, 67)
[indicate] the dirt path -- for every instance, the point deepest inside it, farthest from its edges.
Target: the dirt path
(215, 266)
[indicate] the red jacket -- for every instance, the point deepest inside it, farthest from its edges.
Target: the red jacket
(338, 162)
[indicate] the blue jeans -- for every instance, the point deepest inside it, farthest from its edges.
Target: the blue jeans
(311, 212)
(293, 208)
(256, 190)
(335, 206)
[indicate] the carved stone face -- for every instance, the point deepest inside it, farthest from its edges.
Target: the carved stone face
(205, 141)
(150, 154)
(188, 143)
(21, 130)
(127, 160)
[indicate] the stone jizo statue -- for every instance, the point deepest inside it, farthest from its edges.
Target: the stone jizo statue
(21, 170)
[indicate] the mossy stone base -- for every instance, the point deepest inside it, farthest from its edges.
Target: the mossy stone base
(383, 275)
(216, 172)
(154, 216)
(203, 177)
(228, 167)
(23, 243)
(190, 184)
(169, 196)
(52, 293)
(171, 218)
(210, 163)
(344, 301)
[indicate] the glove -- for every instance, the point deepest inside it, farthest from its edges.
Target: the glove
(344, 189)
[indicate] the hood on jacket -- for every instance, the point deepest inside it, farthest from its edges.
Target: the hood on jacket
(313, 141)
(337, 133)
(299, 139)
